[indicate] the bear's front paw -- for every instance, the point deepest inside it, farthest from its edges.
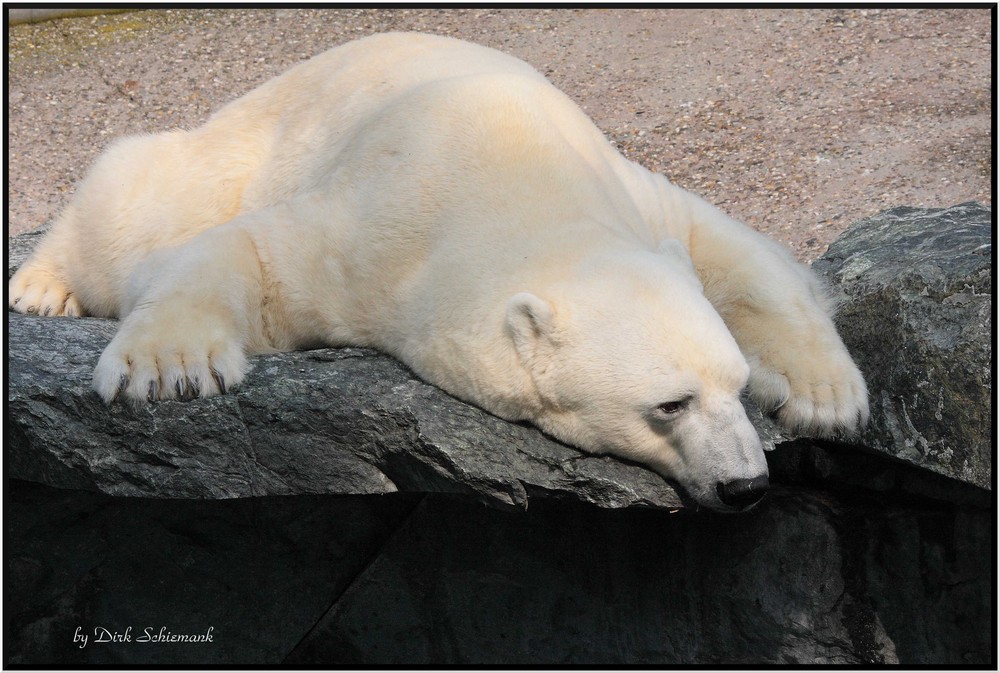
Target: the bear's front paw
(146, 364)
(35, 290)
(814, 395)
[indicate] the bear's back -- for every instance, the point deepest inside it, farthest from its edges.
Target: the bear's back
(306, 114)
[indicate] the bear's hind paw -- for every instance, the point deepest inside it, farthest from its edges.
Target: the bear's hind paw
(36, 292)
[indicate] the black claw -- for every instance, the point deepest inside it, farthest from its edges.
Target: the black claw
(154, 391)
(220, 380)
(178, 389)
(195, 387)
(123, 382)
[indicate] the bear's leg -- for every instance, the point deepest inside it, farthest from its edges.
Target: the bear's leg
(781, 318)
(143, 193)
(191, 312)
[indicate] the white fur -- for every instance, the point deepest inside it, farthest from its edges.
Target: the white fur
(444, 203)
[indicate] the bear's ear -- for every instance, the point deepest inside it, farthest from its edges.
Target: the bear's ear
(530, 323)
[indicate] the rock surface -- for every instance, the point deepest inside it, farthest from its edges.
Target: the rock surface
(806, 578)
(348, 421)
(918, 320)
(809, 577)
(258, 571)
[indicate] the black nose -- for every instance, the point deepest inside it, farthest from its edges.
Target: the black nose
(742, 492)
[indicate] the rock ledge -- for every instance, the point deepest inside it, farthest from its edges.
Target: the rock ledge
(353, 421)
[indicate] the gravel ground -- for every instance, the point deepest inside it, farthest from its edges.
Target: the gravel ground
(798, 122)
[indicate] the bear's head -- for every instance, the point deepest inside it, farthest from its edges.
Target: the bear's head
(627, 357)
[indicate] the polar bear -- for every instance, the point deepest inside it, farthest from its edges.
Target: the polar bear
(444, 203)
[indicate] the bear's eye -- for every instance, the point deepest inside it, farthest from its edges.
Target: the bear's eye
(675, 407)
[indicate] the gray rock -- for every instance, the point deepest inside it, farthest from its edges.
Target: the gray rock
(803, 579)
(348, 421)
(258, 572)
(808, 577)
(917, 318)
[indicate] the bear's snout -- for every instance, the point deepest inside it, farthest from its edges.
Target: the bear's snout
(741, 493)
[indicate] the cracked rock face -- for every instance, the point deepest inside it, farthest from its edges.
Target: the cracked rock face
(402, 580)
(917, 318)
(327, 421)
